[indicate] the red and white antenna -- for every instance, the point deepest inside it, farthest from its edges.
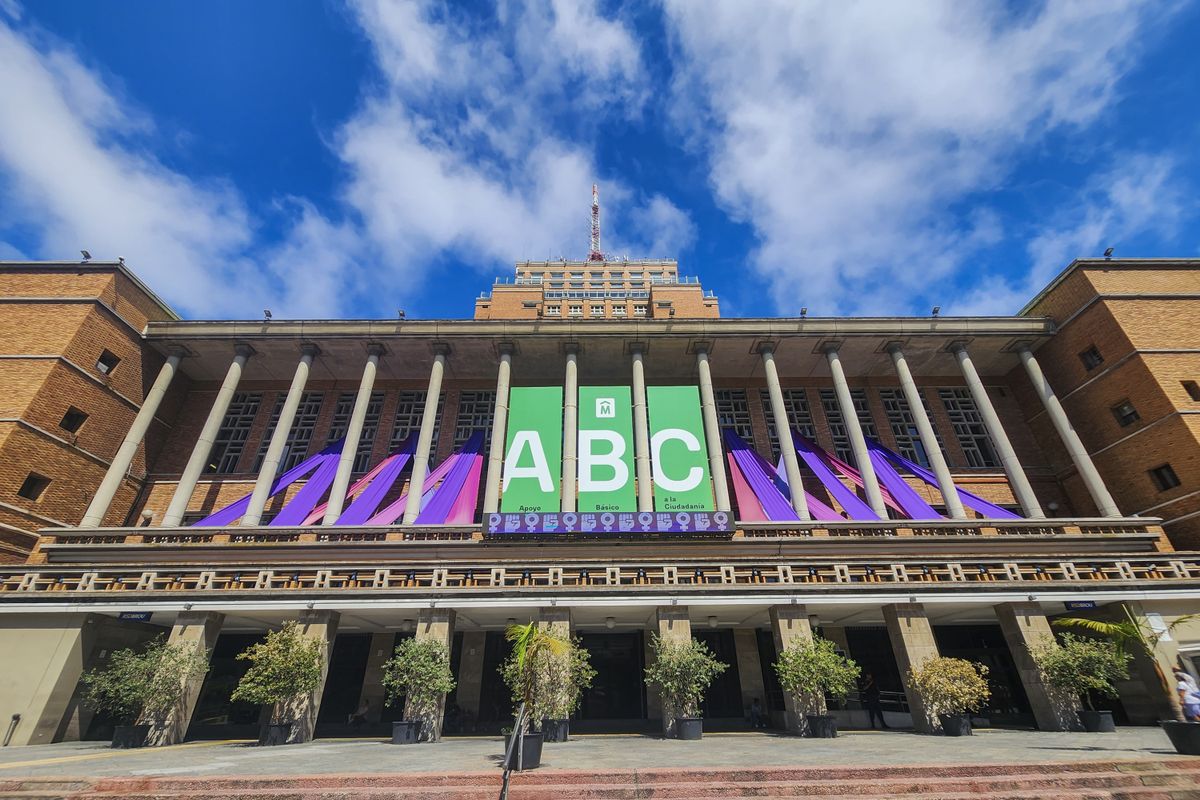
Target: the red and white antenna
(595, 255)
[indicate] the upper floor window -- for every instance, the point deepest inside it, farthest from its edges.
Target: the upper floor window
(968, 427)
(33, 486)
(639, 310)
(1091, 358)
(904, 425)
(575, 311)
(303, 425)
(340, 425)
(553, 311)
(475, 410)
(231, 437)
(618, 311)
(795, 405)
(733, 411)
(837, 425)
(1125, 413)
(410, 410)
(73, 420)
(107, 362)
(597, 311)
(1164, 477)
(1193, 390)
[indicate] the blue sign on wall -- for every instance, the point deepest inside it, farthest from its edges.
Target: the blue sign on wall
(137, 616)
(1079, 605)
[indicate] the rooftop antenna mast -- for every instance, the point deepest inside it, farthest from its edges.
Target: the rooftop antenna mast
(595, 255)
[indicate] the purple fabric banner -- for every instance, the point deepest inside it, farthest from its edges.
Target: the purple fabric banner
(237, 509)
(364, 506)
(748, 506)
(445, 496)
(910, 500)
(761, 477)
(302, 503)
(395, 510)
(970, 500)
(815, 458)
(463, 512)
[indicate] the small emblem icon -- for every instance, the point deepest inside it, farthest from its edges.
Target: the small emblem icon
(606, 408)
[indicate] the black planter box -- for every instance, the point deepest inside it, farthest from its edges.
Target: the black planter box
(528, 755)
(955, 724)
(821, 726)
(406, 731)
(272, 735)
(556, 730)
(689, 728)
(130, 736)
(1184, 735)
(1097, 721)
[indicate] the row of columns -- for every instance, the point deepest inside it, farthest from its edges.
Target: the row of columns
(645, 501)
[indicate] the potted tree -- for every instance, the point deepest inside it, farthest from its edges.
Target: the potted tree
(564, 677)
(141, 689)
(809, 669)
(682, 672)
(1134, 634)
(951, 688)
(1078, 666)
(420, 672)
(284, 669)
(524, 673)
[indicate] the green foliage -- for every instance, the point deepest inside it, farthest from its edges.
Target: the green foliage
(524, 671)
(815, 667)
(147, 684)
(559, 678)
(1080, 665)
(420, 671)
(951, 685)
(284, 667)
(682, 672)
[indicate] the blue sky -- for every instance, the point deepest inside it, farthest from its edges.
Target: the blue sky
(325, 158)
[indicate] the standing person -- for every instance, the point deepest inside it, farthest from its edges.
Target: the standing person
(870, 699)
(1189, 695)
(756, 715)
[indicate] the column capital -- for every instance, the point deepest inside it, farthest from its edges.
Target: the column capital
(893, 347)
(243, 349)
(638, 346)
(764, 346)
(376, 349)
(506, 347)
(958, 346)
(179, 351)
(698, 346)
(310, 349)
(440, 349)
(829, 346)
(571, 348)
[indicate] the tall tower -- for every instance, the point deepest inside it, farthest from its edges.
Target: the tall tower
(595, 254)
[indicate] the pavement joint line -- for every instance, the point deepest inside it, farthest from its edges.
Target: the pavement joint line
(114, 753)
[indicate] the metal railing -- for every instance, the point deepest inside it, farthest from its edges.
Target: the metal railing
(517, 740)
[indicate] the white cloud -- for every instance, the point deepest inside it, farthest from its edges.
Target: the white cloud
(845, 133)
(1139, 195)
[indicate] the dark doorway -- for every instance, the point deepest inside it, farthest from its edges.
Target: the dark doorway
(496, 708)
(871, 648)
(343, 687)
(774, 701)
(216, 716)
(1009, 704)
(723, 700)
(616, 700)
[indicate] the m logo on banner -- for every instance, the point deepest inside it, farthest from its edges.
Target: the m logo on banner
(606, 408)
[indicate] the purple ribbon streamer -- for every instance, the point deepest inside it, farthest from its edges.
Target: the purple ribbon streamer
(446, 494)
(309, 495)
(850, 502)
(769, 487)
(969, 499)
(237, 509)
(910, 502)
(368, 501)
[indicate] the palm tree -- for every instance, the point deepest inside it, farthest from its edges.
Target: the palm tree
(530, 644)
(1133, 633)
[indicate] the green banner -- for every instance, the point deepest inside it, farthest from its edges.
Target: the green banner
(605, 466)
(533, 455)
(677, 453)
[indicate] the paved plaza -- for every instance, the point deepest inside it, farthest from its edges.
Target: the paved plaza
(472, 754)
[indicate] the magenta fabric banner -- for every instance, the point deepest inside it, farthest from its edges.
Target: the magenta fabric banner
(313, 490)
(445, 496)
(819, 462)
(365, 505)
(970, 500)
(771, 496)
(915, 506)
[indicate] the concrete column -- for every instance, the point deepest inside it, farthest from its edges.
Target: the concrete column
(416, 484)
(712, 432)
(208, 434)
(570, 430)
(495, 468)
(383, 646)
(937, 460)
(322, 626)
(279, 437)
(198, 631)
(436, 624)
(94, 516)
(470, 677)
(555, 620)
(345, 468)
(749, 665)
(858, 442)
(1025, 627)
(913, 644)
(789, 625)
(673, 626)
(991, 420)
(1145, 698)
(1079, 455)
(641, 437)
(783, 430)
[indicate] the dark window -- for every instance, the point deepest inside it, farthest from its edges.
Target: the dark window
(409, 409)
(733, 411)
(1164, 477)
(795, 403)
(73, 420)
(1193, 390)
(303, 424)
(969, 428)
(341, 424)
(106, 363)
(837, 426)
(33, 486)
(1091, 358)
(904, 425)
(231, 438)
(474, 414)
(1125, 413)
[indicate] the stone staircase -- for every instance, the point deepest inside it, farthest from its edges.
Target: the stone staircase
(1173, 779)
